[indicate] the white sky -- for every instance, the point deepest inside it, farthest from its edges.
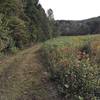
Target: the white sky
(72, 9)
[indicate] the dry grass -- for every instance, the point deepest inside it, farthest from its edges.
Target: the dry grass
(22, 77)
(78, 56)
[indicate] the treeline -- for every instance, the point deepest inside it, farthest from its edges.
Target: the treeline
(22, 22)
(83, 27)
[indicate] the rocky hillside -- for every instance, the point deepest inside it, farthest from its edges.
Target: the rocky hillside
(83, 27)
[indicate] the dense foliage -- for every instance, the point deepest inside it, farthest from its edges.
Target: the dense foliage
(22, 22)
(74, 65)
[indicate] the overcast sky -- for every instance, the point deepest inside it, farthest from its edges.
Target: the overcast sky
(72, 9)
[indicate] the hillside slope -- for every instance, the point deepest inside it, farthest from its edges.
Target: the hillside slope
(22, 77)
(78, 27)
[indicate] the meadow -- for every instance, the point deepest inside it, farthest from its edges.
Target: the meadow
(73, 63)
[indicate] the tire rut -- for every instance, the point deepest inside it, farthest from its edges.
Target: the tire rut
(21, 78)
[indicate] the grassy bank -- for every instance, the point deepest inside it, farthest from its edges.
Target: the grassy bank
(74, 65)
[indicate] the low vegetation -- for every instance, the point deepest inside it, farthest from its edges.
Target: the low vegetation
(74, 65)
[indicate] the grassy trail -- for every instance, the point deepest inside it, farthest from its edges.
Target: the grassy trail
(22, 77)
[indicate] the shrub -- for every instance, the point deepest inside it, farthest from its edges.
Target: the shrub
(13, 50)
(73, 70)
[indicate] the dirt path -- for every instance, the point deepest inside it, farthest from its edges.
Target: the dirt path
(22, 77)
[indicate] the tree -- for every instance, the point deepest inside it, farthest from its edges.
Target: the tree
(50, 14)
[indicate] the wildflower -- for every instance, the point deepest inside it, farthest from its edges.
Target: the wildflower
(73, 77)
(64, 62)
(79, 57)
(64, 49)
(66, 86)
(88, 59)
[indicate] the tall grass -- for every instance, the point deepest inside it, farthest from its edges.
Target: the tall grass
(74, 65)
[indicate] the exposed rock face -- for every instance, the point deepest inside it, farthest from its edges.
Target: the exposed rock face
(83, 27)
